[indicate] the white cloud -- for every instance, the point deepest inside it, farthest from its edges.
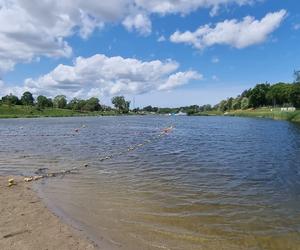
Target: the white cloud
(100, 75)
(161, 38)
(179, 79)
(139, 22)
(184, 7)
(33, 28)
(237, 34)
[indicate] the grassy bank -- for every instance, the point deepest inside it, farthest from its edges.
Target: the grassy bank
(275, 114)
(19, 111)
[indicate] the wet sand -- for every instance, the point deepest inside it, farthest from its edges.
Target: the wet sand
(26, 223)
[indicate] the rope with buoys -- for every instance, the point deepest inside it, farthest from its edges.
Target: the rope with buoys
(42, 174)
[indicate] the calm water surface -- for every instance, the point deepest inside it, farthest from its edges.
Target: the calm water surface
(213, 183)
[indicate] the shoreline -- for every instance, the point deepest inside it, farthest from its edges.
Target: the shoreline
(258, 113)
(27, 223)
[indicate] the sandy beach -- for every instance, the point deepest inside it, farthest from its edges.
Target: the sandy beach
(26, 223)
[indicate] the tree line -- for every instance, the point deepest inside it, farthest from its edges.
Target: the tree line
(263, 95)
(277, 95)
(61, 102)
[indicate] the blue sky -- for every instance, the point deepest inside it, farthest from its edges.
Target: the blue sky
(116, 49)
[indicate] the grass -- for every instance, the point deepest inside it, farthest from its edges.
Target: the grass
(265, 112)
(19, 111)
(275, 114)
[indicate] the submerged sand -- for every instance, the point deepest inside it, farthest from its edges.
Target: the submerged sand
(26, 223)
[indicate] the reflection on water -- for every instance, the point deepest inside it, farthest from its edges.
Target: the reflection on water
(213, 183)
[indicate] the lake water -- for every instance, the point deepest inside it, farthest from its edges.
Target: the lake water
(213, 183)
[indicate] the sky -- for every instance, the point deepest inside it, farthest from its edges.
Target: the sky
(154, 52)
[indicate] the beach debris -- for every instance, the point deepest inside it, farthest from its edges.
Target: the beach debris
(16, 233)
(76, 130)
(38, 177)
(86, 165)
(83, 126)
(11, 182)
(28, 179)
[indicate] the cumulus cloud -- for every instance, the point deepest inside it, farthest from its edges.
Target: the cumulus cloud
(184, 7)
(100, 75)
(178, 79)
(238, 34)
(139, 22)
(32, 28)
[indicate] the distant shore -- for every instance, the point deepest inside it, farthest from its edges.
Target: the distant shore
(32, 112)
(27, 224)
(268, 113)
(19, 111)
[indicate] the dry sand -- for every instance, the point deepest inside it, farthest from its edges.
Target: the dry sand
(25, 222)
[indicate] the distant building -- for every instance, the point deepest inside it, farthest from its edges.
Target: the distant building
(289, 109)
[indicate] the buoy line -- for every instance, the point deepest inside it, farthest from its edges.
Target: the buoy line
(41, 135)
(42, 174)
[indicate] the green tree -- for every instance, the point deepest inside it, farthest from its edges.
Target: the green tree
(121, 104)
(297, 76)
(92, 104)
(279, 93)
(148, 108)
(60, 101)
(73, 104)
(10, 100)
(44, 102)
(27, 99)
(258, 95)
(229, 103)
(222, 106)
(236, 103)
(245, 103)
(207, 107)
(294, 97)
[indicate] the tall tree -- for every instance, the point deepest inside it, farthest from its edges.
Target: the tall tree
(121, 104)
(44, 102)
(295, 95)
(244, 103)
(27, 99)
(10, 100)
(279, 93)
(258, 95)
(60, 101)
(92, 104)
(297, 76)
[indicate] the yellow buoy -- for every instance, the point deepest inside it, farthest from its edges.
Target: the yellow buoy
(11, 182)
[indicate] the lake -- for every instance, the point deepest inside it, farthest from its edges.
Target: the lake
(212, 183)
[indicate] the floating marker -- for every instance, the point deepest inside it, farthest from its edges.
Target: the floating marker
(28, 179)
